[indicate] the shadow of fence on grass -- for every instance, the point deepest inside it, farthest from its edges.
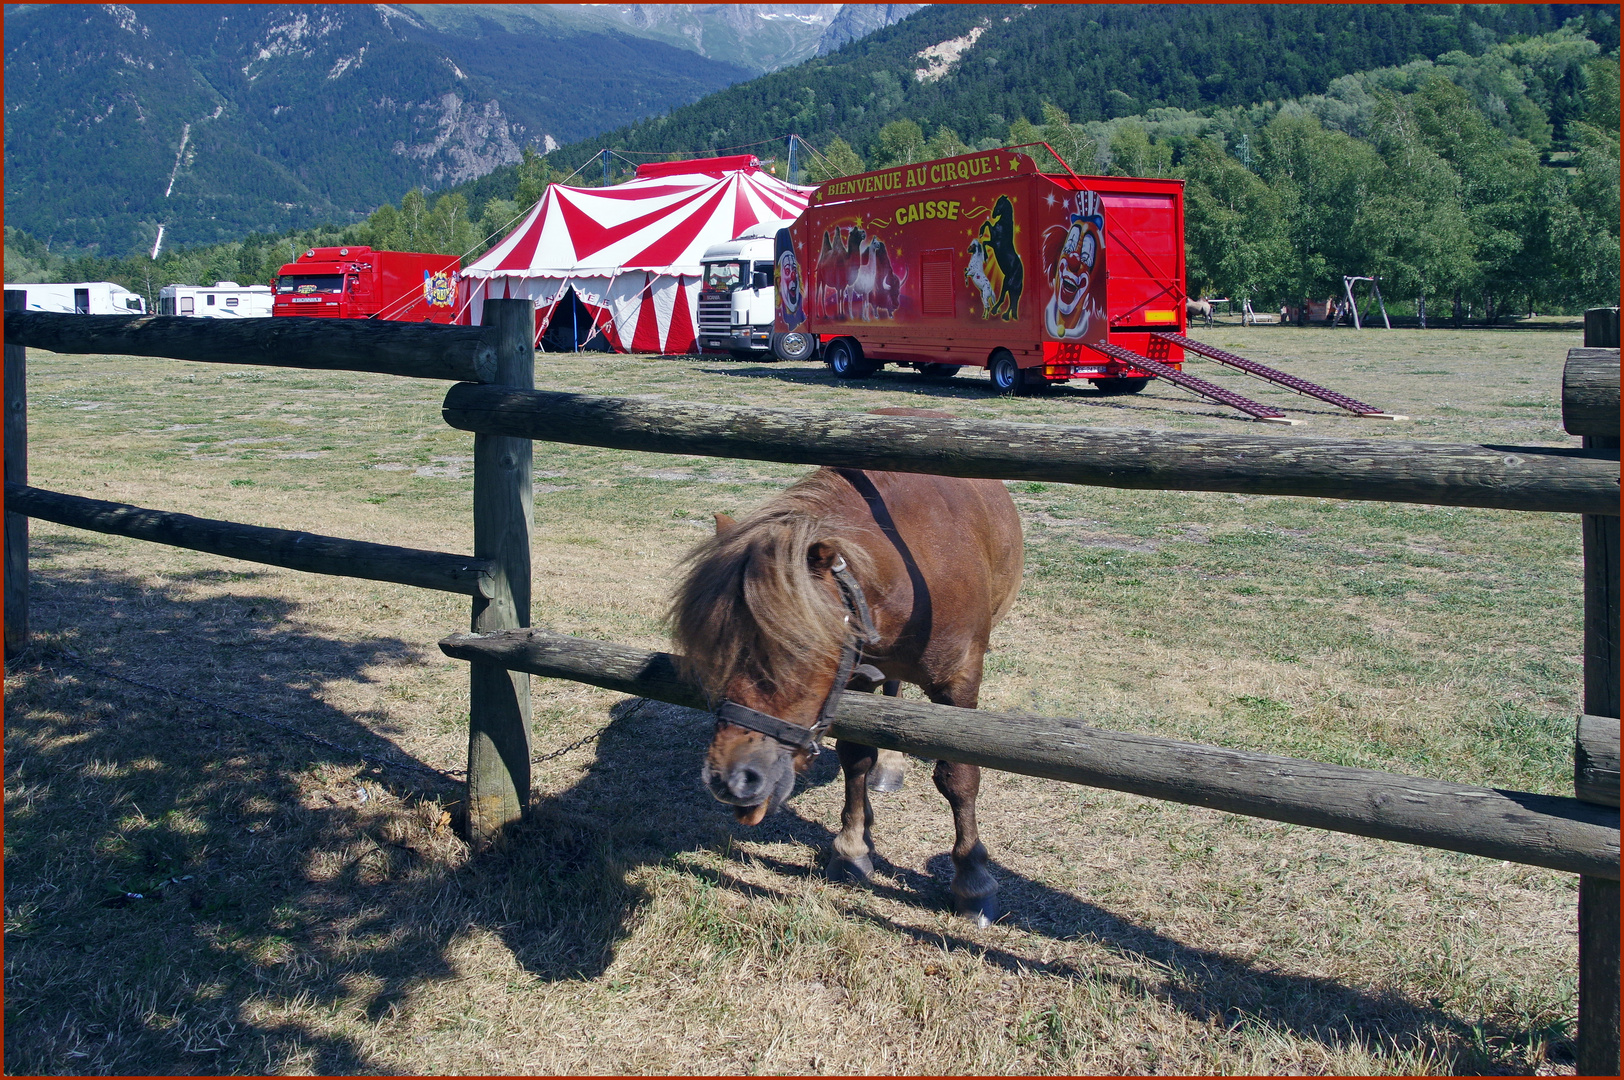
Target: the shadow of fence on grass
(192, 891)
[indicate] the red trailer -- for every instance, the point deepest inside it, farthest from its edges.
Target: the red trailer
(359, 283)
(983, 261)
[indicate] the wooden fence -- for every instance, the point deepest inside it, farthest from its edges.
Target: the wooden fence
(495, 400)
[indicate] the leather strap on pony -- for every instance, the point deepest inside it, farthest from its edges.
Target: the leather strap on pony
(811, 739)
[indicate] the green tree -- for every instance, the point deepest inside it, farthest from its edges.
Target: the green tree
(1132, 153)
(499, 218)
(447, 230)
(1321, 180)
(1413, 229)
(1068, 140)
(1234, 233)
(1585, 229)
(837, 159)
(535, 174)
(382, 229)
(413, 222)
(945, 143)
(901, 142)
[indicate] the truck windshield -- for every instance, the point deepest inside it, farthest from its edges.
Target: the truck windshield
(724, 276)
(309, 284)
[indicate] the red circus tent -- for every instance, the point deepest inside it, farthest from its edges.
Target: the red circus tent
(631, 251)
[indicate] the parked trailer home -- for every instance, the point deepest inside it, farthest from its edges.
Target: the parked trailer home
(983, 261)
(222, 300)
(84, 298)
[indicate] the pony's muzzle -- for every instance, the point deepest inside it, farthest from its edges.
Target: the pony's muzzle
(752, 775)
(743, 785)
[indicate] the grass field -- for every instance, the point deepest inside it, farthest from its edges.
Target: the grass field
(191, 887)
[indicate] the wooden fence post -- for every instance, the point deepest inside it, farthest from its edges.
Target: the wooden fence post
(499, 700)
(16, 528)
(1597, 1035)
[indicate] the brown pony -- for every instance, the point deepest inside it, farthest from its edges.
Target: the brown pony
(760, 620)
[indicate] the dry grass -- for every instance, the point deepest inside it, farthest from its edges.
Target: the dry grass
(303, 911)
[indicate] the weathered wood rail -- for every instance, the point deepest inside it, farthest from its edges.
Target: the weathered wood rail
(1590, 392)
(1538, 830)
(416, 350)
(1547, 479)
(295, 550)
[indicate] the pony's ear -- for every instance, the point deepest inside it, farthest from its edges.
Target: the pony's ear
(821, 556)
(725, 524)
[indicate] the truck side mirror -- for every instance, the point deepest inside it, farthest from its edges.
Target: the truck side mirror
(761, 280)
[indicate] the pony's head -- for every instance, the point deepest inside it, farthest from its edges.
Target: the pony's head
(758, 620)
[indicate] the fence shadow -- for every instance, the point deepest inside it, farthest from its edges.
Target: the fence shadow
(646, 771)
(195, 891)
(174, 872)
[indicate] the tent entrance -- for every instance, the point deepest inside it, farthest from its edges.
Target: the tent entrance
(571, 328)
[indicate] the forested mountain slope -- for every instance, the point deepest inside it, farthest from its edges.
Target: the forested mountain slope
(977, 68)
(218, 121)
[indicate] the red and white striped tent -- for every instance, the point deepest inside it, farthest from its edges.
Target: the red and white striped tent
(631, 251)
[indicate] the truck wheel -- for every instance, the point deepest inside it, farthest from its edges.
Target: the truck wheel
(1006, 374)
(938, 371)
(1120, 386)
(845, 358)
(794, 346)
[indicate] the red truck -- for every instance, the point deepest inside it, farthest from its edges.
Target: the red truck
(359, 283)
(983, 261)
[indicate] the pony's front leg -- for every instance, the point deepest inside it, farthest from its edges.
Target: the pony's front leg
(975, 893)
(854, 845)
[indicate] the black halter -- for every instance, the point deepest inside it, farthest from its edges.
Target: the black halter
(794, 735)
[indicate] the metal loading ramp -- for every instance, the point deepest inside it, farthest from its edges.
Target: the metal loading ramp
(1263, 414)
(1290, 382)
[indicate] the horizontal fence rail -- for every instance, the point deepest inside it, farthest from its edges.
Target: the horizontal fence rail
(1539, 830)
(1503, 477)
(1595, 759)
(1590, 393)
(416, 350)
(275, 547)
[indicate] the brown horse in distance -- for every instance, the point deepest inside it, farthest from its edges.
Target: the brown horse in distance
(760, 620)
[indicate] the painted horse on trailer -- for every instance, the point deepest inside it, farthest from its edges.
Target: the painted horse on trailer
(912, 570)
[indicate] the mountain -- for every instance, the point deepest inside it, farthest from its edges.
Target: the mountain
(218, 121)
(976, 68)
(757, 37)
(856, 21)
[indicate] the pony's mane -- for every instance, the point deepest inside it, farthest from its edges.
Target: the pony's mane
(748, 604)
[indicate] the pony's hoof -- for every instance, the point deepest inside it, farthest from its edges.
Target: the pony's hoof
(982, 910)
(856, 870)
(884, 781)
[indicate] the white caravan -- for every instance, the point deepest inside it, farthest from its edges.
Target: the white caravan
(222, 300)
(82, 298)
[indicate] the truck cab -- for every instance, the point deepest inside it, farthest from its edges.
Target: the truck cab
(360, 283)
(736, 295)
